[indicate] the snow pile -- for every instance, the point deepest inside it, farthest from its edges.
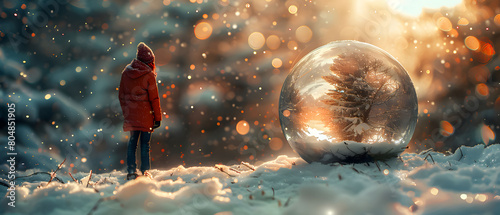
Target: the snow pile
(466, 182)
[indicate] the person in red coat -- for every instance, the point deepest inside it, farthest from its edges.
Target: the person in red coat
(140, 105)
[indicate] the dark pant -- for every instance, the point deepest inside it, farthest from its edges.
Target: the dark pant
(132, 147)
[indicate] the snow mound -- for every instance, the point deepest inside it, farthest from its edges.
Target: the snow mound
(466, 182)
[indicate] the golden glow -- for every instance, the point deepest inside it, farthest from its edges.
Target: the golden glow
(203, 30)
(453, 33)
(256, 40)
(482, 89)
(434, 191)
(242, 127)
(487, 134)
(275, 144)
(286, 113)
(273, 42)
(319, 134)
(472, 43)
(497, 19)
(314, 124)
(292, 9)
(444, 24)
(463, 21)
(292, 45)
(303, 34)
(463, 196)
(277, 63)
(446, 128)
(481, 197)
(415, 8)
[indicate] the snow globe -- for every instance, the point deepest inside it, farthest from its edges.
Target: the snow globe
(348, 102)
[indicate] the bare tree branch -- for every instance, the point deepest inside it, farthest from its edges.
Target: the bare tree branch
(53, 175)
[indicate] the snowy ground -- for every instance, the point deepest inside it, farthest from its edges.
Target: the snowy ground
(466, 182)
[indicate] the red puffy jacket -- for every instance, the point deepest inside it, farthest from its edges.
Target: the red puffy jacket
(138, 96)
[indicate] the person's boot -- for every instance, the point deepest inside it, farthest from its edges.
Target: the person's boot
(132, 176)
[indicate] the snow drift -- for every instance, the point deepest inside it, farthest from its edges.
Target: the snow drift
(466, 182)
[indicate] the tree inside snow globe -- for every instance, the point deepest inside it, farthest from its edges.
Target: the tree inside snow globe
(348, 102)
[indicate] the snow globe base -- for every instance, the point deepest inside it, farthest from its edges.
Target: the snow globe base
(351, 152)
(348, 102)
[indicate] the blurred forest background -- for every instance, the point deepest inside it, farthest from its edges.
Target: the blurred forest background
(221, 65)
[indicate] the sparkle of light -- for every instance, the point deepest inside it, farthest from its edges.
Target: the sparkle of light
(292, 9)
(463, 196)
(434, 191)
(277, 63)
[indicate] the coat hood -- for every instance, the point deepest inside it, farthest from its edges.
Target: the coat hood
(137, 69)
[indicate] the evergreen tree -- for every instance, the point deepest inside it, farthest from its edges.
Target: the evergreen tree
(363, 86)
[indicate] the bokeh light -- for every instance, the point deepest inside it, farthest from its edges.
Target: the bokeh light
(446, 128)
(463, 22)
(256, 40)
(292, 9)
(203, 30)
(292, 45)
(163, 56)
(275, 144)
(444, 24)
(273, 42)
(497, 19)
(286, 113)
(221, 62)
(482, 89)
(487, 134)
(277, 63)
(303, 34)
(242, 127)
(472, 43)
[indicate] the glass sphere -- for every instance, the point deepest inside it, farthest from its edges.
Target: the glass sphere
(348, 102)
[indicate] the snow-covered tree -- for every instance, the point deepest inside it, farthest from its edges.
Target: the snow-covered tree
(362, 88)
